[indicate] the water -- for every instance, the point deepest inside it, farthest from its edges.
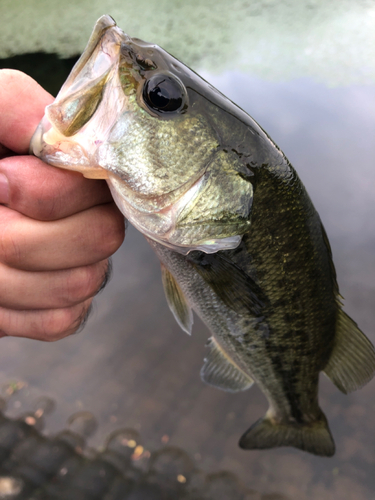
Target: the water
(132, 367)
(333, 41)
(61, 467)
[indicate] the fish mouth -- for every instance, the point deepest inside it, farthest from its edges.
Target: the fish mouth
(77, 122)
(51, 146)
(105, 41)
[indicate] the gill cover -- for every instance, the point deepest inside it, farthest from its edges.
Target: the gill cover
(132, 114)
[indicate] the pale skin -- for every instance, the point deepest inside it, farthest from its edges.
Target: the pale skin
(57, 229)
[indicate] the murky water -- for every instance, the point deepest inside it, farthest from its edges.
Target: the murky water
(133, 367)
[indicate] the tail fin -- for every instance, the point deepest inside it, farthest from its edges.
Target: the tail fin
(314, 437)
(352, 362)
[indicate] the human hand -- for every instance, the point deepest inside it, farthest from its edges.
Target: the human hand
(57, 229)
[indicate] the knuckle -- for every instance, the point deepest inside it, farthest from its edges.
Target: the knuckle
(10, 247)
(56, 325)
(85, 282)
(49, 206)
(48, 326)
(63, 322)
(112, 232)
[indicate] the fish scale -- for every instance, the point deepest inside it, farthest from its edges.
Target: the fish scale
(238, 237)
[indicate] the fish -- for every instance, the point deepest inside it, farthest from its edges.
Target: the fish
(238, 238)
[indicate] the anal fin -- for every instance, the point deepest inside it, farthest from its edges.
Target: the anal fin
(352, 362)
(220, 371)
(177, 301)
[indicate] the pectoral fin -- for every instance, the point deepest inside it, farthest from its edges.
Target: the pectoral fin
(220, 371)
(230, 283)
(352, 362)
(177, 301)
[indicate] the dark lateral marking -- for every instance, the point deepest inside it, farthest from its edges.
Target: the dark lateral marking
(289, 382)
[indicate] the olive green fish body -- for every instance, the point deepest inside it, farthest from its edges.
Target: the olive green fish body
(238, 238)
(282, 335)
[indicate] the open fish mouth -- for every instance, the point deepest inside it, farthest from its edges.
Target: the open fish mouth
(59, 151)
(124, 115)
(78, 122)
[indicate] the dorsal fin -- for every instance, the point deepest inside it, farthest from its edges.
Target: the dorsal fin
(177, 301)
(220, 371)
(352, 362)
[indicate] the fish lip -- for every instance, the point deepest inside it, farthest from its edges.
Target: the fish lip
(50, 153)
(35, 146)
(54, 155)
(99, 58)
(104, 48)
(103, 25)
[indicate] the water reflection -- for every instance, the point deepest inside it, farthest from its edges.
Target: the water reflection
(332, 41)
(133, 368)
(327, 134)
(60, 467)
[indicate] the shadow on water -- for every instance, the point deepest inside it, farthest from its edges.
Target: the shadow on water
(47, 69)
(133, 368)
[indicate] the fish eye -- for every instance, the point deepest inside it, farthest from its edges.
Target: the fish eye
(164, 94)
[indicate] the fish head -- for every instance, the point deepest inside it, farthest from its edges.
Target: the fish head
(134, 115)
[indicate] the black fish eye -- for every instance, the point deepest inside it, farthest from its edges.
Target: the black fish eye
(164, 93)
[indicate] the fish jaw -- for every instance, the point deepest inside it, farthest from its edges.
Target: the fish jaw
(69, 139)
(160, 225)
(63, 153)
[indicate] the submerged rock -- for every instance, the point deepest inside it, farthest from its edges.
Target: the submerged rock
(38, 467)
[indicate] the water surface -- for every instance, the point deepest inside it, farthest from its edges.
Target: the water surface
(132, 366)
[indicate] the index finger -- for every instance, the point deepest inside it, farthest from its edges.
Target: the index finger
(22, 103)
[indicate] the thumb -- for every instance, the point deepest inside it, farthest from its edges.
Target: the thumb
(22, 103)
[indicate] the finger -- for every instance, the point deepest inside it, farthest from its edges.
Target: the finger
(43, 192)
(5, 152)
(79, 240)
(22, 103)
(48, 325)
(23, 290)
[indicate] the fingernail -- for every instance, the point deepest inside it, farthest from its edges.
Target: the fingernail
(4, 190)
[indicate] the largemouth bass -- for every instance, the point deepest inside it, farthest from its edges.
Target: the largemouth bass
(238, 237)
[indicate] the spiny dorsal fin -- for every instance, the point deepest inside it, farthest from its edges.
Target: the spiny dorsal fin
(352, 362)
(177, 301)
(220, 371)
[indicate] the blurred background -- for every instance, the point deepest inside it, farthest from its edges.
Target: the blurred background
(305, 71)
